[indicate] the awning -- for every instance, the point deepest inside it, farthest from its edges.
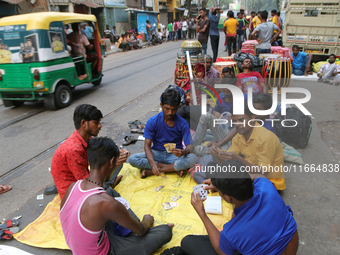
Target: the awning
(137, 10)
(116, 5)
(180, 9)
(88, 4)
(13, 1)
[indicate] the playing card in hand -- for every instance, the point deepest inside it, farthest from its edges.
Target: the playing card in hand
(199, 188)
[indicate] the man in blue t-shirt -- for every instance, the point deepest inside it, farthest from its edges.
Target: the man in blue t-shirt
(161, 129)
(301, 62)
(262, 223)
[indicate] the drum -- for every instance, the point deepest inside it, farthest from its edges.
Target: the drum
(277, 73)
(220, 65)
(221, 59)
(268, 55)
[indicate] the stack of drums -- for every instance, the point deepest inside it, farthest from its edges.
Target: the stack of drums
(277, 73)
(220, 65)
(249, 47)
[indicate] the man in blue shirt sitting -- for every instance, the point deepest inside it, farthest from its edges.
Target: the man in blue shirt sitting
(262, 223)
(301, 62)
(163, 128)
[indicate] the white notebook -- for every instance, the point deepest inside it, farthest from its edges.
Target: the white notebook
(213, 205)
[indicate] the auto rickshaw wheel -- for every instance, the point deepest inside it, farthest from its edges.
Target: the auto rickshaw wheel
(97, 82)
(63, 96)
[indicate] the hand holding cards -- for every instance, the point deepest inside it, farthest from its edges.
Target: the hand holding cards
(169, 147)
(199, 188)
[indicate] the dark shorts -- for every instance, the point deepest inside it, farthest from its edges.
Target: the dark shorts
(91, 57)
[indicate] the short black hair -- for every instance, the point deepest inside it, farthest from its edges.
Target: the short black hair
(295, 47)
(264, 15)
(249, 59)
(241, 10)
(278, 14)
(252, 12)
(86, 112)
(238, 13)
(203, 9)
(332, 55)
(100, 150)
(274, 11)
(230, 14)
(246, 110)
(236, 184)
(264, 99)
(147, 21)
(171, 97)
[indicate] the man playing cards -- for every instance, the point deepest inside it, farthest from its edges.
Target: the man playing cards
(166, 131)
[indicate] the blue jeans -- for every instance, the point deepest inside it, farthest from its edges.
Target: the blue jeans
(149, 38)
(262, 51)
(140, 160)
(170, 36)
(240, 40)
(204, 47)
(184, 33)
(301, 70)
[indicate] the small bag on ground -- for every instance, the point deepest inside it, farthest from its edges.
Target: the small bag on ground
(297, 136)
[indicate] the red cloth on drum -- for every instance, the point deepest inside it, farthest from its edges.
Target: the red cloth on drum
(284, 52)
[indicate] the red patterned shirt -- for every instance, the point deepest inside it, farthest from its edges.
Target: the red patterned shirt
(69, 163)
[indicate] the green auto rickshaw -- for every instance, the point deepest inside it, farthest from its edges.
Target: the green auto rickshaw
(45, 55)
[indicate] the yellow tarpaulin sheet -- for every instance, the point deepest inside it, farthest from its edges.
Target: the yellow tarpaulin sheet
(46, 232)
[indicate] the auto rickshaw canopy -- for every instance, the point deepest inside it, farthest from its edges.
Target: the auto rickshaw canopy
(42, 20)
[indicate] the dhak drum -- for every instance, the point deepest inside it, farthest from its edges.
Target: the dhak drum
(277, 73)
(230, 58)
(263, 56)
(220, 65)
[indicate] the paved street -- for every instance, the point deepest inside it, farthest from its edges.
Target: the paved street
(130, 90)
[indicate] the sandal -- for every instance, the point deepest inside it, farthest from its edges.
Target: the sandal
(5, 188)
(136, 124)
(6, 235)
(8, 224)
(129, 140)
(137, 130)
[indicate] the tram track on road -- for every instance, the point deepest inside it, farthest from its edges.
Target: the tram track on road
(21, 167)
(34, 113)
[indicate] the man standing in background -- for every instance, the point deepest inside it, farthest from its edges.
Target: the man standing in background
(190, 25)
(214, 17)
(203, 27)
(265, 36)
(251, 24)
(179, 25)
(230, 27)
(184, 29)
(170, 31)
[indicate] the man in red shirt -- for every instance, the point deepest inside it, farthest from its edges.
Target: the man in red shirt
(69, 162)
(250, 79)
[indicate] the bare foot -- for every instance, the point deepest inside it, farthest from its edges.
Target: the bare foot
(171, 225)
(180, 173)
(117, 181)
(145, 173)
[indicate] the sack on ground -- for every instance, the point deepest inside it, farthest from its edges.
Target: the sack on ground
(295, 133)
